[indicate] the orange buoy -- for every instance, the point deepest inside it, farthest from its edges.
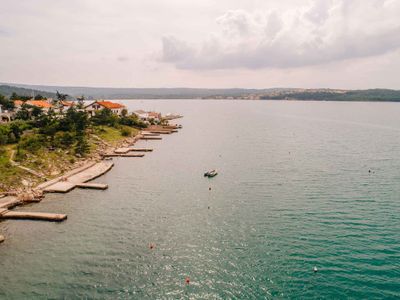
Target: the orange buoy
(151, 246)
(187, 280)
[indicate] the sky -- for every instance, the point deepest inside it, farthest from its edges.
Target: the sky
(349, 44)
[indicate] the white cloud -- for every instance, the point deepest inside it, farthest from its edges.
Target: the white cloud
(323, 32)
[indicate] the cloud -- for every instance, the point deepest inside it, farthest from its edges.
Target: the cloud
(4, 32)
(123, 58)
(323, 32)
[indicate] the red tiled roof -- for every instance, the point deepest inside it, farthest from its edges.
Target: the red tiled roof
(110, 105)
(154, 114)
(39, 103)
(67, 103)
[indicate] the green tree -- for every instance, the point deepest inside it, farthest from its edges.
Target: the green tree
(39, 97)
(23, 113)
(36, 112)
(81, 102)
(6, 104)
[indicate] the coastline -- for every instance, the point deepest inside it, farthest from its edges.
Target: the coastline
(97, 164)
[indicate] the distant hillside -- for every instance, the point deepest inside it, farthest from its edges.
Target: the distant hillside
(144, 93)
(337, 95)
(7, 90)
(192, 93)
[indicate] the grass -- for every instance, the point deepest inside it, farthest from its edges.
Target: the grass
(51, 163)
(10, 176)
(113, 135)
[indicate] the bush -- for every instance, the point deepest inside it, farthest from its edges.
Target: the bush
(126, 131)
(63, 139)
(82, 145)
(32, 143)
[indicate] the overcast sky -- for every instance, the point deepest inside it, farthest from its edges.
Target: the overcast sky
(201, 43)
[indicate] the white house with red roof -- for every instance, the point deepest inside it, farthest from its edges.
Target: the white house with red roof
(98, 105)
(43, 104)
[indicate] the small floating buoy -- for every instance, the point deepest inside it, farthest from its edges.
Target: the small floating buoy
(187, 280)
(315, 269)
(151, 246)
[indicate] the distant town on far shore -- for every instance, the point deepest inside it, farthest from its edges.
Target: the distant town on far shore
(324, 94)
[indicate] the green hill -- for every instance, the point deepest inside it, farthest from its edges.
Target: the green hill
(7, 90)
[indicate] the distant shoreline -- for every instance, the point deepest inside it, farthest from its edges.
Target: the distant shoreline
(319, 94)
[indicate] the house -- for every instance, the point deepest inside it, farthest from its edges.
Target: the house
(141, 114)
(116, 108)
(43, 104)
(6, 116)
(67, 104)
(147, 115)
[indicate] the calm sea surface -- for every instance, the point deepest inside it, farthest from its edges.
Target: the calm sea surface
(294, 192)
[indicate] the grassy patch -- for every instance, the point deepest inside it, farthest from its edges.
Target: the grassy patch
(10, 176)
(113, 135)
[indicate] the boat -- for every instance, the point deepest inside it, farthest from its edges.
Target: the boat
(211, 173)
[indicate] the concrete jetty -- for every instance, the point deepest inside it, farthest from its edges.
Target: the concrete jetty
(122, 150)
(94, 186)
(141, 149)
(158, 132)
(132, 155)
(22, 215)
(67, 183)
(150, 133)
(151, 138)
(122, 155)
(9, 202)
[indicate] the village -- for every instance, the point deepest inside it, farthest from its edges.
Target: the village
(61, 106)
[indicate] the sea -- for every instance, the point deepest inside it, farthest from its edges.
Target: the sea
(306, 205)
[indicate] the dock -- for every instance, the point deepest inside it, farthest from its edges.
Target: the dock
(68, 183)
(122, 155)
(122, 150)
(22, 215)
(158, 132)
(9, 202)
(94, 186)
(131, 155)
(146, 138)
(141, 149)
(150, 133)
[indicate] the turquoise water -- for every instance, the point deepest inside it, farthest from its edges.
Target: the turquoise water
(294, 192)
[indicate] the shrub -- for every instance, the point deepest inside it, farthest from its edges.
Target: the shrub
(31, 143)
(126, 131)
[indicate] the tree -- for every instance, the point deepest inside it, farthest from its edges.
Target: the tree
(36, 112)
(57, 102)
(74, 120)
(14, 96)
(23, 113)
(105, 117)
(40, 97)
(81, 101)
(61, 97)
(6, 104)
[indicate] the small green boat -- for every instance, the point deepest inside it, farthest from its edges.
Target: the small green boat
(211, 173)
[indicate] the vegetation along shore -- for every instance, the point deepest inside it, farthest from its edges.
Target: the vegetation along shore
(55, 145)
